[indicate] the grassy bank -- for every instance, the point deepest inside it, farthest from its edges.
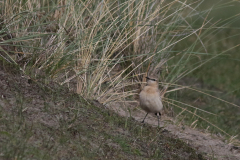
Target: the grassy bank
(102, 50)
(40, 121)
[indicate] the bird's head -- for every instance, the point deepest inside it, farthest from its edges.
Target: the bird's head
(152, 81)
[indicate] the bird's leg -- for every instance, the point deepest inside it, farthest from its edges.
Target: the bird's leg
(144, 118)
(158, 115)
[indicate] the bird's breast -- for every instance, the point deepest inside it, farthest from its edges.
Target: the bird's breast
(150, 102)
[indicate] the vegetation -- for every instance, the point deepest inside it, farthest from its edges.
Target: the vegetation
(103, 49)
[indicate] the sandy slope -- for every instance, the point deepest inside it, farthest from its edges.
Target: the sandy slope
(210, 145)
(206, 143)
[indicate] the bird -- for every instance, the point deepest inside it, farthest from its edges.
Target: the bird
(150, 99)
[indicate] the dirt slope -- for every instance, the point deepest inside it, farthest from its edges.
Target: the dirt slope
(48, 122)
(210, 145)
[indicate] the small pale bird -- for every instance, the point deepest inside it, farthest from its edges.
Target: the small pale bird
(150, 99)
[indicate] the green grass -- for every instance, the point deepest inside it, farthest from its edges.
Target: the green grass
(218, 77)
(222, 76)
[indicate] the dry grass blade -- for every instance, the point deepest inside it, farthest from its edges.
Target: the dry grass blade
(199, 117)
(167, 99)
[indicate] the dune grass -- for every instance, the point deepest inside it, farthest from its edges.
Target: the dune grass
(102, 49)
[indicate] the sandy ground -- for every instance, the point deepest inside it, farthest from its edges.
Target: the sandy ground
(212, 146)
